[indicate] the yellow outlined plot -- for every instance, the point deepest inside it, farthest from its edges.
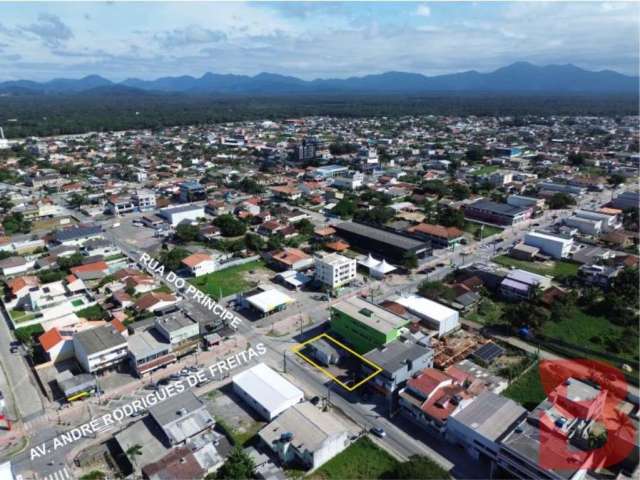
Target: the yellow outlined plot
(377, 369)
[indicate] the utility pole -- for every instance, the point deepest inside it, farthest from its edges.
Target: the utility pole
(284, 361)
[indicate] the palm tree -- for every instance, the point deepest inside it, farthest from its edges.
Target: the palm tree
(132, 452)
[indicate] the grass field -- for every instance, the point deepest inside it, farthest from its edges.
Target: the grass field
(94, 312)
(228, 281)
(488, 312)
(361, 460)
(474, 229)
(559, 268)
(527, 389)
(596, 333)
(21, 316)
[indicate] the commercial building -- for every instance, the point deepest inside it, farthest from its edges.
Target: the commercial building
(305, 435)
(586, 226)
(351, 181)
(268, 301)
(481, 426)
(439, 236)
(497, 213)
(433, 314)
(144, 200)
(182, 333)
(391, 246)
(364, 325)
(191, 192)
(183, 213)
(181, 417)
(562, 188)
(526, 202)
(99, 348)
(521, 284)
(329, 171)
(607, 222)
(554, 245)
(148, 352)
(76, 235)
(290, 259)
(333, 270)
(627, 200)
(268, 393)
(399, 360)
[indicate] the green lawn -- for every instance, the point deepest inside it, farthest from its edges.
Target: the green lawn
(486, 169)
(228, 281)
(361, 460)
(596, 333)
(77, 302)
(94, 312)
(558, 268)
(474, 229)
(488, 312)
(21, 315)
(527, 389)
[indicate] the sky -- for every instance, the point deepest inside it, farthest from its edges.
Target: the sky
(118, 40)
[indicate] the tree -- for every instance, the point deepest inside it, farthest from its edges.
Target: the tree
(94, 475)
(134, 451)
(616, 179)
(417, 468)
(576, 159)
(68, 262)
(230, 226)
(451, 217)
(523, 314)
(410, 260)
(304, 227)
(172, 259)
(239, 466)
(77, 200)
(186, 232)
(436, 187)
(16, 223)
(561, 200)
(254, 242)
(345, 208)
(475, 154)
(459, 191)
(376, 215)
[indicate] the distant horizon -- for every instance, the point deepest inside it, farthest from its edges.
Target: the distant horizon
(373, 73)
(310, 40)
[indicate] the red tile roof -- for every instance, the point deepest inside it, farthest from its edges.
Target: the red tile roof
(90, 267)
(50, 339)
(196, 259)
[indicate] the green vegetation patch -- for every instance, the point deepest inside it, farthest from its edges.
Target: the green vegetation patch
(558, 268)
(527, 389)
(361, 460)
(26, 334)
(474, 229)
(21, 315)
(94, 312)
(228, 281)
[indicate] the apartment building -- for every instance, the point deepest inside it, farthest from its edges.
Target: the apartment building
(99, 348)
(333, 270)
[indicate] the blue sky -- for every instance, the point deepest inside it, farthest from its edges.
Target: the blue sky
(146, 40)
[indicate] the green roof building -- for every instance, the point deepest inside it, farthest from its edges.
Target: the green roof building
(364, 325)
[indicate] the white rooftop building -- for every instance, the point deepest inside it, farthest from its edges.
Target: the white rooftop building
(441, 318)
(553, 245)
(334, 270)
(268, 393)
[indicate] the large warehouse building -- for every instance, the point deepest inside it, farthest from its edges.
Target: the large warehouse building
(265, 391)
(391, 246)
(436, 316)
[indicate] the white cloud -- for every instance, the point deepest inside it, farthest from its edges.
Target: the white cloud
(423, 10)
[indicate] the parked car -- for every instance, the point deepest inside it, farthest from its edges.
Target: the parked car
(315, 400)
(379, 432)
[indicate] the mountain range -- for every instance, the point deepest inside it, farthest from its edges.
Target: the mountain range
(519, 77)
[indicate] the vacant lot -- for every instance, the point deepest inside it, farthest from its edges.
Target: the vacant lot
(228, 281)
(558, 268)
(527, 389)
(362, 460)
(596, 333)
(474, 229)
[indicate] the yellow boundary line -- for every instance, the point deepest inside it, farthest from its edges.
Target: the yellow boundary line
(297, 348)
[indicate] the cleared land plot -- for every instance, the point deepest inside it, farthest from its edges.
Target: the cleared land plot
(347, 372)
(558, 268)
(228, 281)
(474, 229)
(527, 389)
(361, 460)
(596, 333)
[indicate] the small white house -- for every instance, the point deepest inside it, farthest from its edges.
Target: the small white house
(200, 264)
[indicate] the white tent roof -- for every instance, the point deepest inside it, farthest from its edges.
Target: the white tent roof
(269, 300)
(376, 265)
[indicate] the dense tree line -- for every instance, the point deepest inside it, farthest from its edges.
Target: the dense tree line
(55, 114)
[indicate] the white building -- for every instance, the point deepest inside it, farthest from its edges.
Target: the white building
(175, 215)
(437, 316)
(585, 225)
(349, 182)
(200, 264)
(145, 200)
(334, 270)
(522, 201)
(265, 391)
(608, 222)
(306, 435)
(99, 348)
(269, 301)
(554, 245)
